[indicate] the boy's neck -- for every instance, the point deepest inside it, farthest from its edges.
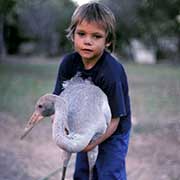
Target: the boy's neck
(88, 64)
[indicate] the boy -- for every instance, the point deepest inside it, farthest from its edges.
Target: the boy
(92, 31)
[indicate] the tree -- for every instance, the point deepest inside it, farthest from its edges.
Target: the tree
(125, 12)
(5, 7)
(147, 20)
(45, 21)
(158, 21)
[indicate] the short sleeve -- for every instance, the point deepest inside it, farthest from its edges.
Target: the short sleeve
(116, 100)
(64, 73)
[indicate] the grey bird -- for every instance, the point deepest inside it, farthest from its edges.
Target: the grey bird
(82, 114)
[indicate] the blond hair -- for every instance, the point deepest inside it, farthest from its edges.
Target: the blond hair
(94, 12)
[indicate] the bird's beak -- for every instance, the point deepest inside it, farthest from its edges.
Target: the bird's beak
(34, 119)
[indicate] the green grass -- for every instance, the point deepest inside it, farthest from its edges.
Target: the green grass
(154, 91)
(155, 95)
(21, 85)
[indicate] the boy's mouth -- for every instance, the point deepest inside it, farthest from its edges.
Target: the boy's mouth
(87, 50)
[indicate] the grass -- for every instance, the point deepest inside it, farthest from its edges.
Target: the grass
(155, 95)
(22, 84)
(154, 91)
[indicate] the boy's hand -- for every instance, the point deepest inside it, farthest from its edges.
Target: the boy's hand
(89, 147)
(110, 130)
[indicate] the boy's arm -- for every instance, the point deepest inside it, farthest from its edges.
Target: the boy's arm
(110, 130)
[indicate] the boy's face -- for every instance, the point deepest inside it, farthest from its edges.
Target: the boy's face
(90, 40)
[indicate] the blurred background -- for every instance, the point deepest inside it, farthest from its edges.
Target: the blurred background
(32, 41)
(30, 27)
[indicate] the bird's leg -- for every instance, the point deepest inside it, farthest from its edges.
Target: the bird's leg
(66, 157)
(90, 173)
(92, 156)
(63, 173)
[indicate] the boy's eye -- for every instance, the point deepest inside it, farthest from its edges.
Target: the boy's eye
(81, 33)
(97, 36)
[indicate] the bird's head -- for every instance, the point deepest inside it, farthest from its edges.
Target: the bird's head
(44, 107)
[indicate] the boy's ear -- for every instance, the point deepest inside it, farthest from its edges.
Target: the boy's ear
(108, 44)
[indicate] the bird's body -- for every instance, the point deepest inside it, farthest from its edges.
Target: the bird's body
(88, 112)
(82, 114)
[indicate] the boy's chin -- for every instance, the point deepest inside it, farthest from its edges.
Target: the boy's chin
(87, 55)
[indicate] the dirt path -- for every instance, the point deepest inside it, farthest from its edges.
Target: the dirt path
(151, 157)
(155, 156)
(32, 158)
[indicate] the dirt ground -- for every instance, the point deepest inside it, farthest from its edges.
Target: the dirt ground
(151, 156)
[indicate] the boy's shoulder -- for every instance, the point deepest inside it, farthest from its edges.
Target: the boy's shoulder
(69, 64)
(112, 67)
(113, 62)
(70, 58)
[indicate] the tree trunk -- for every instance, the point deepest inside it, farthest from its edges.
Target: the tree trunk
(2, 43)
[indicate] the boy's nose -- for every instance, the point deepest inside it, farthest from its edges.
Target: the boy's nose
(88, 41)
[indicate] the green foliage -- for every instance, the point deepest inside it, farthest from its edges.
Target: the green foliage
(158, 18)
(39, 21)
(5, 9)
(125, 12)
(147, 20)
(45, 21)
(6, 6)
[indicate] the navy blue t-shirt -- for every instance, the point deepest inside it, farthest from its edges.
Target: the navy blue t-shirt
(109, 75)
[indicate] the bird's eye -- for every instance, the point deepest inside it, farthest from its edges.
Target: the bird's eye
(40, 106)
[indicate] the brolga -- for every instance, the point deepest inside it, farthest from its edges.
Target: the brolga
(81, 115)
